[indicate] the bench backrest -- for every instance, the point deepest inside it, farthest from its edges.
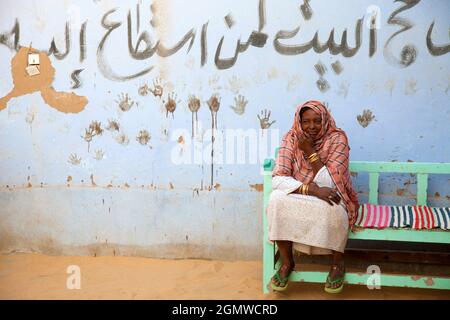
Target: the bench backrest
(421, 169)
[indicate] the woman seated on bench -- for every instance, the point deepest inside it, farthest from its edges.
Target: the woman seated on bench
(313, 202)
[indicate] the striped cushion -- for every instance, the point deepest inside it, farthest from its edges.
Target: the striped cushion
(415, 217)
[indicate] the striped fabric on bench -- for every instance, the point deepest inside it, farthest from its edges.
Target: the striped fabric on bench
(415, 217)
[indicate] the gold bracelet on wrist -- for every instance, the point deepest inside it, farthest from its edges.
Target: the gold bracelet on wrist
(314, 159)
(304, 189)
(312, 155)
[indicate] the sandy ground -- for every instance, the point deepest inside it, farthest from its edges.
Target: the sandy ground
(36, 276)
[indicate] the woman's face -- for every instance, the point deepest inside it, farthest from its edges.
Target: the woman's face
(311, 123)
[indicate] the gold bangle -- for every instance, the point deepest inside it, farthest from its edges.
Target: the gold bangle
(302, 189)
(312, 155)
(314, 160)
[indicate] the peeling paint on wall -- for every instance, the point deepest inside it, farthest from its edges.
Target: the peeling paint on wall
(258, 187)
(24, 84)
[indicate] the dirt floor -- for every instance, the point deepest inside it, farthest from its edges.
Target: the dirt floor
(36, 276)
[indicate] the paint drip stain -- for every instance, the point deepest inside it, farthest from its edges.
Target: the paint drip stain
(92, 181)
(42, 82)
(194, 105)
(214, 106)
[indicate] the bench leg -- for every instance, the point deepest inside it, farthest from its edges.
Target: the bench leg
(268, 264)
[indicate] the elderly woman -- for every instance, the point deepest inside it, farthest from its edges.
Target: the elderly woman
(313, 203)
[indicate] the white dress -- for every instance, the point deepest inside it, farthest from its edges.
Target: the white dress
(312, 224)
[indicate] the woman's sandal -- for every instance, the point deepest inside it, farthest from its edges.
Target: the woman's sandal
(283, 282)
(329, 284)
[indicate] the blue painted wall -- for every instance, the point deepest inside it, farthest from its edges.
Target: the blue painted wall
(134, 199)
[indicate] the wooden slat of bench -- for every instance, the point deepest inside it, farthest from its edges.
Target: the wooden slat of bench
(389, 234)
(400, 167)
(389, 280)
(397, 167)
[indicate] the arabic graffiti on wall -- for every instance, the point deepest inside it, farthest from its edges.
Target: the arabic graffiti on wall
(144, 47)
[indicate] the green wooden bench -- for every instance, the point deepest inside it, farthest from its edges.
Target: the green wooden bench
(422, 170)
